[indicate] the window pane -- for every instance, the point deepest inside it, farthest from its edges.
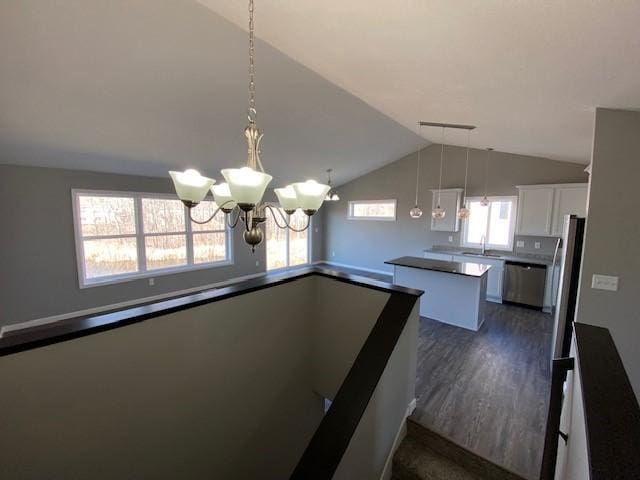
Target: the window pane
(110, 256)
(107, 215)
(477, 222)
(373, 210)
(165, 251)
(500, 223)
(209, 247)
(203, 211)
(298, 241)
(162, 215)
(276, 243)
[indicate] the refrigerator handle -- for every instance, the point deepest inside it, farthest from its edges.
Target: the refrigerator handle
(553, 271)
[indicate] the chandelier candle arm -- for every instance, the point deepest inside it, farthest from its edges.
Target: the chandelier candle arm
(287, 224)
(202, 222)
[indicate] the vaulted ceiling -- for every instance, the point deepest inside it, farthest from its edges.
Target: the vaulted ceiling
(145, 86)
(528, 73)
(149, 85)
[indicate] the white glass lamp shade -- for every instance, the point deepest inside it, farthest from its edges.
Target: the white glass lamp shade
(438, 213)
(287, 198)
(222, 196)
(190, 186)
(415, 212)
(463, 213)
(247, 186)
(310, 195)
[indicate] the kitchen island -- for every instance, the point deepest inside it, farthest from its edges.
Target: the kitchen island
(454, 292)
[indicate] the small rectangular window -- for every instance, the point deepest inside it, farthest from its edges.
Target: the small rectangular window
(493, 225)
(372, 210)
(122, 236)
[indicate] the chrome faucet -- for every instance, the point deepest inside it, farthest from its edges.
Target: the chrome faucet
(483, 240)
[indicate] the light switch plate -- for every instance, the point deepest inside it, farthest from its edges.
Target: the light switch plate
(152, 282)
(520, 243)
(450, 238)
(604, 282)
(536, 245)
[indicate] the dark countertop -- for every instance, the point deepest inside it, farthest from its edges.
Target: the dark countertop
(537, 259)
(470, 269)
(88, 325)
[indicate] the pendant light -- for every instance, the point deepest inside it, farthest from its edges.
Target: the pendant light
(332, 195)
(244, 187)
(416, 211)
(464, 212)
(485, 200)
(438, 212)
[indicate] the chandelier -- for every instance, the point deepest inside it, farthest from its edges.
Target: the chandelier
(244, 187)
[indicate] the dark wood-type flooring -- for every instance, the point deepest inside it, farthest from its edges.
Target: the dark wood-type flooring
(487, 391)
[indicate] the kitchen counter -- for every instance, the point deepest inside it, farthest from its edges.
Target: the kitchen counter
(507, 256)
(454, 292)
(470, 269)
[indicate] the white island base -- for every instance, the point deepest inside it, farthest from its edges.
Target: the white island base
(454, 298)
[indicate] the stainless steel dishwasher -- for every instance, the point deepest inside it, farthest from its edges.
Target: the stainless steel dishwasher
(524, 283)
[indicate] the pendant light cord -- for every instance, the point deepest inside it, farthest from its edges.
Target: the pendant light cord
(486, 173)
(418, 171)
(251, 113)
(441, 160)
(466, 171)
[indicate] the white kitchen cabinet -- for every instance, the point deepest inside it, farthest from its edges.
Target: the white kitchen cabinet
(450, 199)
(494, 279)
(535, 205)
(541, 208)
(569, 199)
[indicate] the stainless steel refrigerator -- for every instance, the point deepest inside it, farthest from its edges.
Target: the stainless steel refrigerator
(566, 272)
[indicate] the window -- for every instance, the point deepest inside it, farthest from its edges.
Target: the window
(284, 247)
(495, 223)
(121, 236)
(372, 210)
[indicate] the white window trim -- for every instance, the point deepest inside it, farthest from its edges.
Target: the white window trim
(351, 203)
(309, 246)
(84, 282)
(512, 224)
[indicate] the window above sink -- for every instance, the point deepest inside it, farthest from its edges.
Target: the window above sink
(491, 226)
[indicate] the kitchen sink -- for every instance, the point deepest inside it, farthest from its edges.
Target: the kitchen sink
(474, 254)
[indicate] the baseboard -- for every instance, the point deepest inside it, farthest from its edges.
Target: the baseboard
(114, 306)
(357, 267)
(400, 434)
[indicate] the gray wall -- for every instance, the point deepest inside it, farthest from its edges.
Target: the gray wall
(613, 234)
(38, 261)
(224, 390)
(369, 243)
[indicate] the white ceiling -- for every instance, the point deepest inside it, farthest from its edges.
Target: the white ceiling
(144, 86)
(527, 73)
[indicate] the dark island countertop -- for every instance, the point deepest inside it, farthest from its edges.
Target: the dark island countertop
(469, 269)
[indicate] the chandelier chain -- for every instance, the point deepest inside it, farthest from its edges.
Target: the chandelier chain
(252, 68)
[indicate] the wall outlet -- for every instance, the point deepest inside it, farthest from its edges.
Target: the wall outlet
(257, 263)
(316, 229)
(450, 238)
(152, 282)
(520, 243)
(604, 282)
(536, 245)
(333, 253)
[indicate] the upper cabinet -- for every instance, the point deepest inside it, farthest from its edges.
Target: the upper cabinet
(535, 204)
(568, 199)
(541, 208)
(450, 199)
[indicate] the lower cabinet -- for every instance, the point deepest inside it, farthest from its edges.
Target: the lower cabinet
(494, 279)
